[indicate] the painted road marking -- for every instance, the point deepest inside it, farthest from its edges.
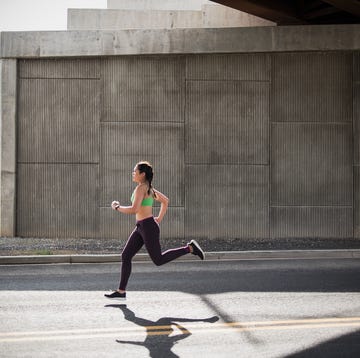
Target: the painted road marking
(156, 330)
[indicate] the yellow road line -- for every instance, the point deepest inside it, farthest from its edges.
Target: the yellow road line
(191, 325)
(202, 327)
(292, 322)
(298, 326)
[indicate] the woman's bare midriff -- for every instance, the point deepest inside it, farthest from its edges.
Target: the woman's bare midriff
(144, 213)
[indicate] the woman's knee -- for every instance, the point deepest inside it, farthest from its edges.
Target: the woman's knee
(157, 260)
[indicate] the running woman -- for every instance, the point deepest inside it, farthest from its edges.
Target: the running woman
(147, 228)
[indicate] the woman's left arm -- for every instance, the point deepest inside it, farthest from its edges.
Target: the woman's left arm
(134, 208)
(164, 201)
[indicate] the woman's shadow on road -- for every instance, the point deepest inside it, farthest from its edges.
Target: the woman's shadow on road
(159, 340)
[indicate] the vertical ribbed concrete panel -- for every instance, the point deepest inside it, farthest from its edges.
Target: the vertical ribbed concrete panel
(311, 180)
(227, 122)
(356, 126)
(227, 141)
(57, 200)
(356, 107)
(311, 87)
(123, 145)
(356, 116)
(62, 68)
(227, 102)
(58, 148)
(311, 155)
(227, 201)
(356, 67)
(114, 225)
(357, 201)
(311, 222)
(58, 120)
(311, 164)
(149, 89)
(245, 67)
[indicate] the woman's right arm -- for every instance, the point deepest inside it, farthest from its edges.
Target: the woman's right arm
(164, 201)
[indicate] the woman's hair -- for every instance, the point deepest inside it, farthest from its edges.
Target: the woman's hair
(145, 167)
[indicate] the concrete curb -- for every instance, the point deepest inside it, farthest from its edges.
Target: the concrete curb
(210, 256)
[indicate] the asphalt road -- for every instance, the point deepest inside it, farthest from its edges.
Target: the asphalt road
(267, 308)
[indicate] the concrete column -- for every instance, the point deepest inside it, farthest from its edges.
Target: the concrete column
(7, 146)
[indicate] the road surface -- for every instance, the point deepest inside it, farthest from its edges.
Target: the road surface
(259, 308)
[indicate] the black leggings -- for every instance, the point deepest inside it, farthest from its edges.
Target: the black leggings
(146, 232)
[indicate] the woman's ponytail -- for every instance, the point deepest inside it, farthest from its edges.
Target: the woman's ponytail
(145, 167)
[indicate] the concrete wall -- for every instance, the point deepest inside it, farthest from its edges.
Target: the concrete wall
(58, 148)
(157, 4)
(356, 141)
(250, 139)
(92, 19)
(311, 152)
(245, 145)
(272, 39)
(8, 105)
(210, 16)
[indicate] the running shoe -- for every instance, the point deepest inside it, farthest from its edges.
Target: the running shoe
(196, 249)
(116, 296)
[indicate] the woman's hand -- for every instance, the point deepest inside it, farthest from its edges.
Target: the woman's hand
(163, 207)
(115, 204)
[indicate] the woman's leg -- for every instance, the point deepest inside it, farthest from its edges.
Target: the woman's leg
(133, 245)
(150, 233)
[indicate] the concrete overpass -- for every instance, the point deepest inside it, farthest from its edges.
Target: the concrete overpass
(261, 126)
(304, 12)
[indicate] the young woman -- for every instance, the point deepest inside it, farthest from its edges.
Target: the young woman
(147, 227)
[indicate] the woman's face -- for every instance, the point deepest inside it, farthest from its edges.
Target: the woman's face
(137, 176)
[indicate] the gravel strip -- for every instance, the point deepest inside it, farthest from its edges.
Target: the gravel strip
(59, 246)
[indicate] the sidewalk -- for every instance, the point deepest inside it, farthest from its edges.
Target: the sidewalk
(224, 255)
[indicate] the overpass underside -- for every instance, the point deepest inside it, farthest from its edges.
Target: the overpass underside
(300, 12)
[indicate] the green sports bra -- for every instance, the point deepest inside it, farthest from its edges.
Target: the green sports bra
(146, 202)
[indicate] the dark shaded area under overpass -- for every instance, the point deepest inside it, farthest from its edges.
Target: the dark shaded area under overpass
(300, 12)
(348, 345)
(207, 277)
